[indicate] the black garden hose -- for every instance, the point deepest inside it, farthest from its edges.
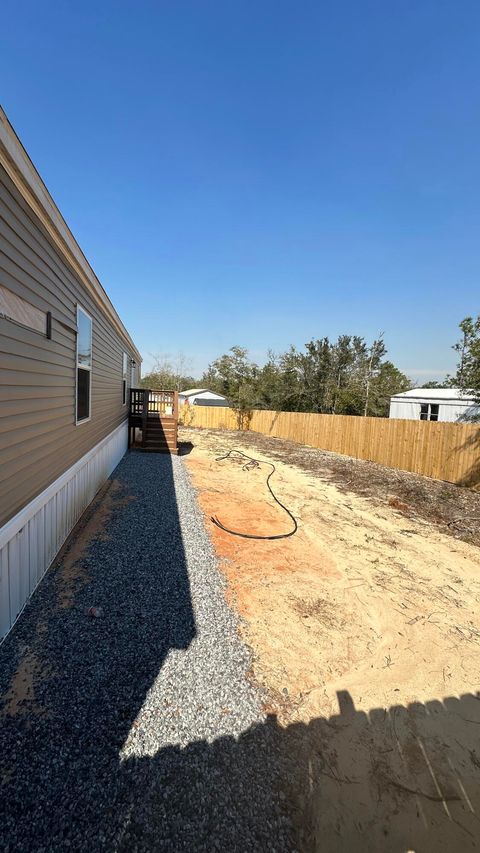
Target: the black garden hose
(255, 463)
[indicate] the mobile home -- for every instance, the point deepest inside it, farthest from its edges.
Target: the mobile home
(433, 404)
(66, 364)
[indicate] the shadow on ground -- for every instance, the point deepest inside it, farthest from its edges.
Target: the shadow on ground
(395, 780)
(399, 779)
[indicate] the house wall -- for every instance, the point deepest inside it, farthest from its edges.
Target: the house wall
(32, 538)
(50, 468)
(408, 409)
(39, 439)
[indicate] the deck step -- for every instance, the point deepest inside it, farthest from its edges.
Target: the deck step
(161, 427)
(147, 411)
(161, 436)
(173, 451)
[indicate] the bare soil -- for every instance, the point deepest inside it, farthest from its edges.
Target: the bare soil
(362, 627)
(455, 509)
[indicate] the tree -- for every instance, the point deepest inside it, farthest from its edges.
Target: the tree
(343, 377)
(270, 384)
(373, 364)
(344, 358)
(169, 373)
(353, 355)
(447, 383)
(346, 377)
(387, 382)
(234, 376)
(467, 377)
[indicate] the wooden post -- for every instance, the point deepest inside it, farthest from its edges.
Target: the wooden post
(146, 394)
(175, 422)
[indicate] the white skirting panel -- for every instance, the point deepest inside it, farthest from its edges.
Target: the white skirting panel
(30, 541)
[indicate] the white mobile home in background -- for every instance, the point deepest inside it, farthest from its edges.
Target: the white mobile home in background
(202, 397)
(433, 404)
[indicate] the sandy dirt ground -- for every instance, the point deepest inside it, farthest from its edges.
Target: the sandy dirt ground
(365, 636)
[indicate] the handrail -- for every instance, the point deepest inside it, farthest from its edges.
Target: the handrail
(148, 407)
(152, 401)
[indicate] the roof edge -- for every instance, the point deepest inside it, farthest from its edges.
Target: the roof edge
(454, 398)
(21, 170)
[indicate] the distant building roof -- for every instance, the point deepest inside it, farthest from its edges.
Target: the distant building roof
(194, 392)
(212, 401)
(435, 394)
(191, 391)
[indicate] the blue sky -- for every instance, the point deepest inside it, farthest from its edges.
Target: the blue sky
(261, 173)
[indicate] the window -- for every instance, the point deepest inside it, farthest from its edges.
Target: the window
(84, 366)
(429, 411)
(124, 378)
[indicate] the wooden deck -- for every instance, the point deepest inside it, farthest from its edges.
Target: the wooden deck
(156, 414)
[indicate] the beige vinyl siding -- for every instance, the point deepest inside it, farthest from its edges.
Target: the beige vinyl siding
(39, 439)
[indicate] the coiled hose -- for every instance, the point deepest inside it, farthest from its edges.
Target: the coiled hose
(255, 463)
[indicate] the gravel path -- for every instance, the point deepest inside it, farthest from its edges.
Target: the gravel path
(137, 730)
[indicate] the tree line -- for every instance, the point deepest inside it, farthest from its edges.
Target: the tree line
(344, 377)
(348, 376)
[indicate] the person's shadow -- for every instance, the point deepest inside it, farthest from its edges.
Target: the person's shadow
(401, 779)
(72, 685)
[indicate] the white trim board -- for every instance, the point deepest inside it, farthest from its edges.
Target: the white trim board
(30, 541)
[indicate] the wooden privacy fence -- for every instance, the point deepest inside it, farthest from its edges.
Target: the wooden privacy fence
(445, 451)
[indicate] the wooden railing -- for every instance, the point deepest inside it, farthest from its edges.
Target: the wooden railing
(155, 413)
(144, 402)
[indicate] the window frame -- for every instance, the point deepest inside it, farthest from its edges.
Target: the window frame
(82, 367)
(125, 359)
(426, 413)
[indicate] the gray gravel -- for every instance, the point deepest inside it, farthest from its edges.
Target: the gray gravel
(142, 731)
